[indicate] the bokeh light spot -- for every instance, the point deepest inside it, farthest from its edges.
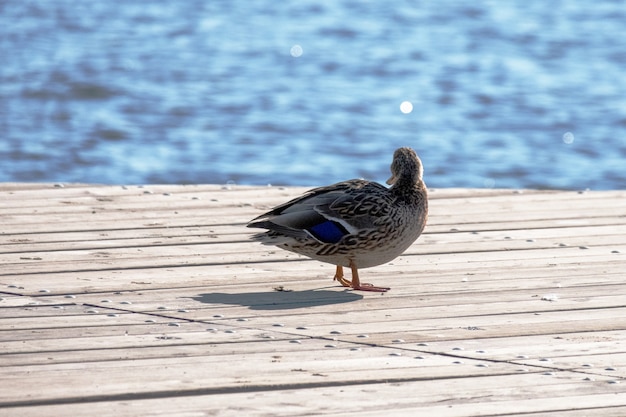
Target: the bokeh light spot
(406, 107)
(296, 51)
(568, 138)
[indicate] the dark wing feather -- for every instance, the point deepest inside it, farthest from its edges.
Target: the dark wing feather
(326, 213)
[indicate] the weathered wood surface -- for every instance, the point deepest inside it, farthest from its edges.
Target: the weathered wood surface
(125, 301)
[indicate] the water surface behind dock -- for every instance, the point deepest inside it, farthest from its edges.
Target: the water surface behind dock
(511, 94)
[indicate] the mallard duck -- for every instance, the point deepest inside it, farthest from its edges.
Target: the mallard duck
(355, 223)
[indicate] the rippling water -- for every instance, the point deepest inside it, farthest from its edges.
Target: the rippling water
(504, 94)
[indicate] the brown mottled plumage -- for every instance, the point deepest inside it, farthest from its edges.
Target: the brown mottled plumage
(354, 223)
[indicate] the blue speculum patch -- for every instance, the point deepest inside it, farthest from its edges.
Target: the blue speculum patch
(328, 232)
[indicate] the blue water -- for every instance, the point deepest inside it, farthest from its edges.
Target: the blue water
(511, 93)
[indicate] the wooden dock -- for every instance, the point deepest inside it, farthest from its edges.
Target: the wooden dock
(134, 301)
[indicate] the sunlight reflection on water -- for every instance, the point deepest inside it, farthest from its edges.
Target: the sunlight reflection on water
(568, 138)
(406, 107)
(493, 94)
(296, 51)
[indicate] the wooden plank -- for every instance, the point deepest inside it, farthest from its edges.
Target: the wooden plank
(76, 261)
(161, 269)
(161, 209)
(566, 395)
(307, 363)
(234, 241)
(155, 300)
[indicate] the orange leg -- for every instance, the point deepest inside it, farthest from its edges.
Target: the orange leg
(355, 284)
(339, 277)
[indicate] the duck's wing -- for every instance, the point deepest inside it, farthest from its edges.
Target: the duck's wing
(327, 213)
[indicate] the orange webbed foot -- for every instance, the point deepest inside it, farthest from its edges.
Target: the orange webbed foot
(355, 284)
(339, 277)
(370, 287)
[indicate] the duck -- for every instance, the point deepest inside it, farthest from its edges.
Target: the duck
(355, 223)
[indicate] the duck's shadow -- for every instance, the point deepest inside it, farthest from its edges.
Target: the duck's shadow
(280, 299)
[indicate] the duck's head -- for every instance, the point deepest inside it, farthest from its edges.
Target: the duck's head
(406, 167)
